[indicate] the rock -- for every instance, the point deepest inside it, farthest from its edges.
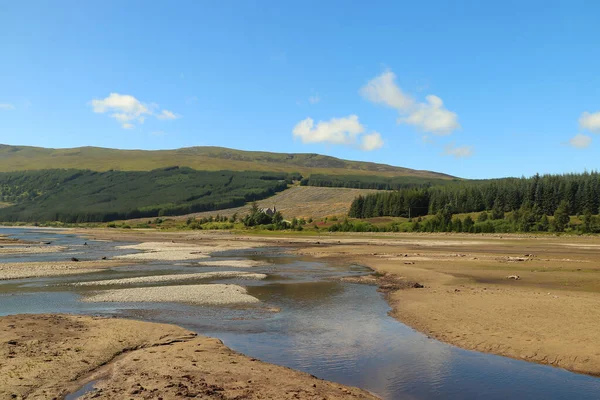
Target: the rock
(12, 342)
(515, 277)
(74, 259)
(104, 258)
(417, 285)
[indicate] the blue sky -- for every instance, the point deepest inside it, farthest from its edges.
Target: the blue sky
(474, 89)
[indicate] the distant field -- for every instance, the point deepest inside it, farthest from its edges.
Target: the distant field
(300, 201)
(4, 205)
(18, 158)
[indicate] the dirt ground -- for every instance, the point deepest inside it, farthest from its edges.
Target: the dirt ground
(49, 356)
(550, 315)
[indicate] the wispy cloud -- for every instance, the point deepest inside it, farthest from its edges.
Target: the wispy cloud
(346, 131)
(166, 114)
(128, 110)
(314, 99)
(429, 116)
(7, 106)
(580, 141)
(459, 152)
(590, 121)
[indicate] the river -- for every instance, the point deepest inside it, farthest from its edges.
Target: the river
(332, 329)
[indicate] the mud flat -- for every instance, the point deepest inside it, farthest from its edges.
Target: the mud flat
(173, 278)
(50, 356)
(43, 269)
(213, 294)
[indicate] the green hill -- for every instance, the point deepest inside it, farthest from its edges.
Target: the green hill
(19, 158)
(90, 196)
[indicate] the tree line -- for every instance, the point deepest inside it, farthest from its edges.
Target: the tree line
(76, 196)
(530, 201)
(370, 182)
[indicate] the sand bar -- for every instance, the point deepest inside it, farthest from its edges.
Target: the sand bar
(174, 278)
(165, 251)
(214, 294)
(50, 356)
(53, 268)
(20, 249)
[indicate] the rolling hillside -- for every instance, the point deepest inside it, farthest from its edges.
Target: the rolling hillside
(300, 201)
(18, 158)
(90, 196)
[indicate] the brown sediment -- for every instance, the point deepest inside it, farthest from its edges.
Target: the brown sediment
(550, 315)
(49, 356)
(212, 294)
(22, 248)
(54, 268)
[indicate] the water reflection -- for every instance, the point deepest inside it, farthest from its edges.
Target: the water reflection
(334, 330)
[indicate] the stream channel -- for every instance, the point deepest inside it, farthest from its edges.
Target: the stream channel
(332, 329)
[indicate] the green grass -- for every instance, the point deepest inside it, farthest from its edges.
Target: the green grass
(17, 158)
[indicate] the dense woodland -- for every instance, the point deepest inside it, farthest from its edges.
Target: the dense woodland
(87, 196)
(371, 182)
(528, 200)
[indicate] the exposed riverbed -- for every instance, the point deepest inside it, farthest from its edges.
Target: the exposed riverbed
(305, 319)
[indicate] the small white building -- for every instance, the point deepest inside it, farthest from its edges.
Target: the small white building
(270, 212)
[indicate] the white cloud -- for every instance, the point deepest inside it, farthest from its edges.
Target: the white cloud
(166, 114)
(580, 141)
(7, 106)
(340, 131)
(128, 110)
(459, 152)
(383, 90)
(430, 116)
(371, 141)
(314, 99)
(124, 108)
(590, 121)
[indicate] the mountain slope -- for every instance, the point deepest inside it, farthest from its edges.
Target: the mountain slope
(17, 158)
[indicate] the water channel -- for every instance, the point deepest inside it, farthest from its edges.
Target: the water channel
(332, 329)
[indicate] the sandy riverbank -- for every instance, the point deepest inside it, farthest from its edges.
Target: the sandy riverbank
(550, 315)
(49, 356)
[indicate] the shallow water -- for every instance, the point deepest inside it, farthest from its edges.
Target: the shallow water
(334, 330)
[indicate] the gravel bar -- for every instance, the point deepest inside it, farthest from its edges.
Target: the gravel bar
(214, 294)
(173, 278)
